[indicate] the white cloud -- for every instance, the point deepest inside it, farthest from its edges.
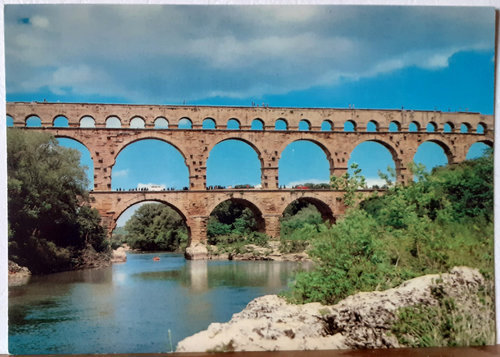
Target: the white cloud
(120, 173)
(293, 14)
(167, 53)
(375, 181)
(40, 22)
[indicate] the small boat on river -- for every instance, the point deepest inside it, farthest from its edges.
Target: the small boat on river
(156, 259)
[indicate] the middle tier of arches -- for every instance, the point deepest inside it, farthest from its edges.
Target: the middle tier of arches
(195, 147)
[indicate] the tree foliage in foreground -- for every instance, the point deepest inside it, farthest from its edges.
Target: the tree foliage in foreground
(155, 226)
(443, 220)
(49, 221)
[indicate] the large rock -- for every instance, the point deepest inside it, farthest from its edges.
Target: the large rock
(255, 252)
(18, 275)
(362, 320)
(119, 255)
(198, 251)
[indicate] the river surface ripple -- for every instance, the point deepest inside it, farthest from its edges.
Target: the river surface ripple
(130, 307)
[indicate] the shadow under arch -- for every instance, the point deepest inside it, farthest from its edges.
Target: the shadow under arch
(442, 145)
(252, 145)
(485, 141)
(257, 213)
(59, 119)
(113, 122)
(137, 122)
(86, 121)
(325, 210)
(478, 148)
(125, 206)
(149, 137)
(233, 124)
(66, 136)
(33, 120)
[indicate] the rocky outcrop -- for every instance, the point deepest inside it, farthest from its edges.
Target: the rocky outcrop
(255, 252)
(362, 320)
(197, 251)
(88, 258)
(18, 275)
(119, 255)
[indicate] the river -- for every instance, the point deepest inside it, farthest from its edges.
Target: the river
(131, 307)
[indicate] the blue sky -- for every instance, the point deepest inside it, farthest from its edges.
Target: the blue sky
(420, 58)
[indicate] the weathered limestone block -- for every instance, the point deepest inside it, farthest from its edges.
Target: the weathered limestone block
(198, 251)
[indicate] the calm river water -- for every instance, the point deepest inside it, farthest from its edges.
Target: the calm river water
(130, 307)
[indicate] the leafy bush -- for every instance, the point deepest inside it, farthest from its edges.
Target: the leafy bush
(347, 259)
(300, 221)
(233, 224)
(425, 227)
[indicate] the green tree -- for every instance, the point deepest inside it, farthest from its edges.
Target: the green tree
(49, 220)
(155, 226)
(350, 183)
(444, 219)
(230, 219)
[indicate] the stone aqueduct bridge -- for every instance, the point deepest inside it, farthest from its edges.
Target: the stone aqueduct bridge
(195, 144)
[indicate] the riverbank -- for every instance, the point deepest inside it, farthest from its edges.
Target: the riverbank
(17, 275)
(363, 320)
(249, 252)
(86, 258)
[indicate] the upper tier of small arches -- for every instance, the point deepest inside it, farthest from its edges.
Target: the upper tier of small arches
(231, 118)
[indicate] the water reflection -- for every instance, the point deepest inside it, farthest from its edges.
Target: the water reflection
(129, 308)
(198, 275)
(201, 275)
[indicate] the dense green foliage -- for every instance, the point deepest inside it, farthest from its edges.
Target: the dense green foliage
(155, 226)
(49, 221)
(232, 226)
(300, 221)
(442, 220)
(118, 237)
(229, 217)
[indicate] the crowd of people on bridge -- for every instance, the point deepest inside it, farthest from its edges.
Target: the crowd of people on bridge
(221, 187)
(185, 188)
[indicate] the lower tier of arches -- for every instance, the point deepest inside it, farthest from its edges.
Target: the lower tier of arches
(195, 207)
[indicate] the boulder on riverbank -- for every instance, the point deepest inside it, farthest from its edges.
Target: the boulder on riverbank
(119, 255)
(255, 252)
(197, 251)
(18, 275)
(89, 258)
(362, 320)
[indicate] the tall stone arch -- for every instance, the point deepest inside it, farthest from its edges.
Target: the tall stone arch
(317, 141)
(327, 212)
(251, 144)
(400, 166)
(122, 206)
(245, 202)
(151, 135)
